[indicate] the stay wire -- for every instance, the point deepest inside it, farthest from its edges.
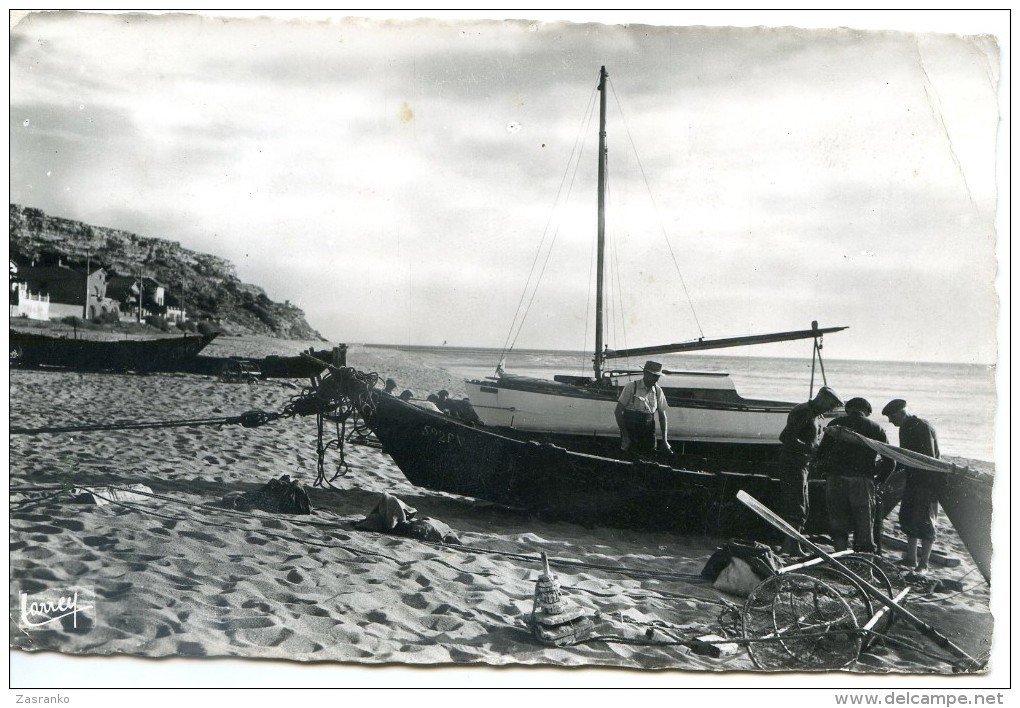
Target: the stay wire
(655, 207)
(576, 150)
(545, 263)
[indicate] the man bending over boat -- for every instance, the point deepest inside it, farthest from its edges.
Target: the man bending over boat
(800, 440)
(919, 507)
(850, 470)
(636, 411)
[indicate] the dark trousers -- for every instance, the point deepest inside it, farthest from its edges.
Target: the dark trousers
(851, 506)
(641, 429)
(793, 488)
(919, 507)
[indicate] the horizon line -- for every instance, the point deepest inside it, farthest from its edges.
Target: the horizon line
(441, 347)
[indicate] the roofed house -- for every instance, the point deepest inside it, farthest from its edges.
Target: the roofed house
(71, 292)
(24, 302)
(154, 298)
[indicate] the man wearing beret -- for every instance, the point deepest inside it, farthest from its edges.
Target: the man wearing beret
(850, 472)
(800, 440)
(920, 506)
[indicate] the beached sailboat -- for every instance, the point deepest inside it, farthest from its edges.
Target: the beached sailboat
(438, 451)
(537, 446)
(709, 420)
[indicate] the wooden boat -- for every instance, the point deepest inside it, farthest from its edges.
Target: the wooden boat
(269, 367)
(436, 451)
(160, 354)
(708, 419)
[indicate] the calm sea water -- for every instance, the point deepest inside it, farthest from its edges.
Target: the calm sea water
(958, 399)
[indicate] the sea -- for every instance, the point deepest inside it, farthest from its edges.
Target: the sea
(959, 400)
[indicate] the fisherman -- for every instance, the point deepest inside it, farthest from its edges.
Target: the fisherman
(406, 395)
(636, 410)
(457, 408)
(850, 472)
(444, 400)
(390, 386)
(920, 504)
(800, 440)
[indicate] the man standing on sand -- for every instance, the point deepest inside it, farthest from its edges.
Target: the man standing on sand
(800, 440)
(850, 470)
(639, 404)
(920, 504)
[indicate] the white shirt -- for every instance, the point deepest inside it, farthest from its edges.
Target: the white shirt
(635, 397)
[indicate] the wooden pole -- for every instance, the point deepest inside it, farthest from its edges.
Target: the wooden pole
(773, 519)
(881, 613)
(88, 267)
(601, 251)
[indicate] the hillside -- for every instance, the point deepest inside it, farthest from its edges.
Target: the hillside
(213, 290)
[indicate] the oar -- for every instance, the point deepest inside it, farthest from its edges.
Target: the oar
(772, 518)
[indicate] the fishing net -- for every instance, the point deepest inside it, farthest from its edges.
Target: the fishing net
(795, 621)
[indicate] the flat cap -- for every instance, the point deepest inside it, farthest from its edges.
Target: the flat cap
(896, 404)
(860, 404)
(831, 394)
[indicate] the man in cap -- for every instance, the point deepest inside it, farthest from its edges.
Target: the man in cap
(920, 504)
(850, 470)
(390, 386)
(639, 404)
(800, 440)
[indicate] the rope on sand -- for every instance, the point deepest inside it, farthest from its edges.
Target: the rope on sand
(249, 419)
(308, 402)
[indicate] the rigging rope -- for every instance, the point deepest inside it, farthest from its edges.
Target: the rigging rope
(337, 410)
(576, 150)
(655, 207)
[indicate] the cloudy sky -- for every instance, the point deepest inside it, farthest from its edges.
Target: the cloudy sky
(398, 179)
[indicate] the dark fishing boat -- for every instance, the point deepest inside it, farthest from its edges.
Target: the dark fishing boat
(436, 451)
(159, 354)
(440, 452)
(301, 366)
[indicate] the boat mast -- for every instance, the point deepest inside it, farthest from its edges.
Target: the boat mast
(598, 360)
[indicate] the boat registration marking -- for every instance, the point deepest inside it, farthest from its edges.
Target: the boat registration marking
(441, 436)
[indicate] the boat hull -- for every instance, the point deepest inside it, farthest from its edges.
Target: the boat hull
(437, 452)
(162, 354)
(710, 426)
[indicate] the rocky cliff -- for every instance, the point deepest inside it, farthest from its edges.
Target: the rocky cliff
(212, 288)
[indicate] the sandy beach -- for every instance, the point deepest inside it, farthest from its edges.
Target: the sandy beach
(173, 573)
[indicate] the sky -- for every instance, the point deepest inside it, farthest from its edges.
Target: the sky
(398, 178)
